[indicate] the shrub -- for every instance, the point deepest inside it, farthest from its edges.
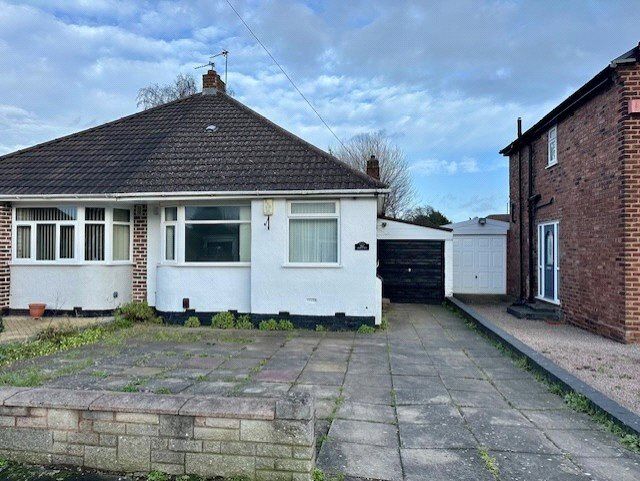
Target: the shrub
(269, 325)
(138, 312)
(244, 322)
(1, 326)
(223, 320)
(384, 325)
(285, 325)
(193, 321)
(320, 328)
(364, 329)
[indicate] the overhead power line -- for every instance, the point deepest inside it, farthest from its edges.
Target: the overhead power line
(286, 75)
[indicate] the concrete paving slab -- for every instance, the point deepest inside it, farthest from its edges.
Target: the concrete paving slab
(366, 412)
(360, 461)
(537, 467)
(443, 465)
(364, 432)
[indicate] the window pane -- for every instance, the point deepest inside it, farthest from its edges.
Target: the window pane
(23, 242)
(94, 213)
(170, 214)
(313, 240)
(121, 215)
(225, 212)
(313, 207)
(121, 242)
(94, 242)
(66, 241)
(217, 243)
(45, 242)
(46, 213)
(170, 243)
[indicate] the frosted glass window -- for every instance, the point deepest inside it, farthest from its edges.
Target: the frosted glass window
(313, 232)
(121, 242)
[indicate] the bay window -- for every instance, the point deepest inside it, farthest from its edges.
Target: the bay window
(51, 234)
(217, 233)
(313, 232)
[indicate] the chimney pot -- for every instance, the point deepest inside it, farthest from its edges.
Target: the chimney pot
(212, 83)
(373, 167)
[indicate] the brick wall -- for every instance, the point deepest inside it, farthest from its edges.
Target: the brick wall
(629, 149)
(587, 190)
(5, 254)
(140, 253)
(258, 439)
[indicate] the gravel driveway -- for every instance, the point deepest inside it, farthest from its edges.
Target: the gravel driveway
(611, 367)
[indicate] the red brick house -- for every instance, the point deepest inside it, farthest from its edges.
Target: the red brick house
(574, 181)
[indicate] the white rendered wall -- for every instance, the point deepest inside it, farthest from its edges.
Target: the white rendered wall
(351, 288)
(67, 286)
(154, 251)
(209, 289)
(394, 230)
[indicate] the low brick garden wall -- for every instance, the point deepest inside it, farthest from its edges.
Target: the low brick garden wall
(262, 439)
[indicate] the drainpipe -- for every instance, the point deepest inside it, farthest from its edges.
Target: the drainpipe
(521, 297)
(532, 202)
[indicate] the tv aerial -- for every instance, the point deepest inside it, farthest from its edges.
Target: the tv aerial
(212, 65)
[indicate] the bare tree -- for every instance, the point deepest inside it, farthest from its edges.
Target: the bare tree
(394, 168)
(153, 95)
(426, 215)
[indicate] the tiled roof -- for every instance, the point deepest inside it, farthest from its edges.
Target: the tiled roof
(169, 149)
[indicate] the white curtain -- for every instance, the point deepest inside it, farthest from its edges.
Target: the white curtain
(121, 242)
(170, 243)
(313, 240)
(23, 241)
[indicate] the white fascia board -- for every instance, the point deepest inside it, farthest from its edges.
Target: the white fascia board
(176, 196)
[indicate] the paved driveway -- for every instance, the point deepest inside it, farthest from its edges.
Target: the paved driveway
(429, 399)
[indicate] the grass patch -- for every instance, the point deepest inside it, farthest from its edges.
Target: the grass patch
(100, 374)
(319, 475)
(572, 399)
(489, 462)
(62, 340)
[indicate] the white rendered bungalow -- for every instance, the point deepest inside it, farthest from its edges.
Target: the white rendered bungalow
(197, 206)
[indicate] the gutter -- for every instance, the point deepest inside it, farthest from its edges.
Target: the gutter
(175, 196)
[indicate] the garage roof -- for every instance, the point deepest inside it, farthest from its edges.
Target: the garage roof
(479, 226)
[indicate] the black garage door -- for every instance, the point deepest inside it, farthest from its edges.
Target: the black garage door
(412, 270)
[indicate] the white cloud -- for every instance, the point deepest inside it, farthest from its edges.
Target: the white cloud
(465, 165)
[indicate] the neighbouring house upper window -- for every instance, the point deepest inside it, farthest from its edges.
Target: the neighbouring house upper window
(52, 234)
(217, 233)
(313, 232)
(552, 143)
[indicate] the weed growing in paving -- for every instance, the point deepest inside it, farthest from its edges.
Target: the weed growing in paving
(319, 475)
(364, 329)
(134, 386)
(64, 340)
(574, 400)
(320, 328)
(490, 462)
(100, 374)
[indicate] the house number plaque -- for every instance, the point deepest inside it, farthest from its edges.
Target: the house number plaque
(362, 246)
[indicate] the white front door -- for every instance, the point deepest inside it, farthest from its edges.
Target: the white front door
(548, 268)
(479, 264)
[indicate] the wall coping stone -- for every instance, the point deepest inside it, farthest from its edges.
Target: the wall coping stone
(292, 406)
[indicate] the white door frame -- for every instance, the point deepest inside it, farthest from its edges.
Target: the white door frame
(541, 269)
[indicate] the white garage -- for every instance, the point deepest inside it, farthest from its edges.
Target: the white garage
(479, 256)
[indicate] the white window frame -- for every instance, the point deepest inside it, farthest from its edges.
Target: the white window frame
(541, 270)
(292, 216)
(78, 238)
(552, 139)
(114, 223)
(180, 242)
(33, 236)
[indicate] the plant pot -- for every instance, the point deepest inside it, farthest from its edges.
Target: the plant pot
(36, 310)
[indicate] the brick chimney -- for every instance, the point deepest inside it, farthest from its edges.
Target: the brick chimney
(212, 83)
(373, 167)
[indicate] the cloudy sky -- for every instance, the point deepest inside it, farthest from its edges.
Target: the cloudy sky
(445, 80)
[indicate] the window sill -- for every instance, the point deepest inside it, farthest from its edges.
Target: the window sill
(549, 301)
(312, 265)
(548, 166)
(70, 264)
(204, 264)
